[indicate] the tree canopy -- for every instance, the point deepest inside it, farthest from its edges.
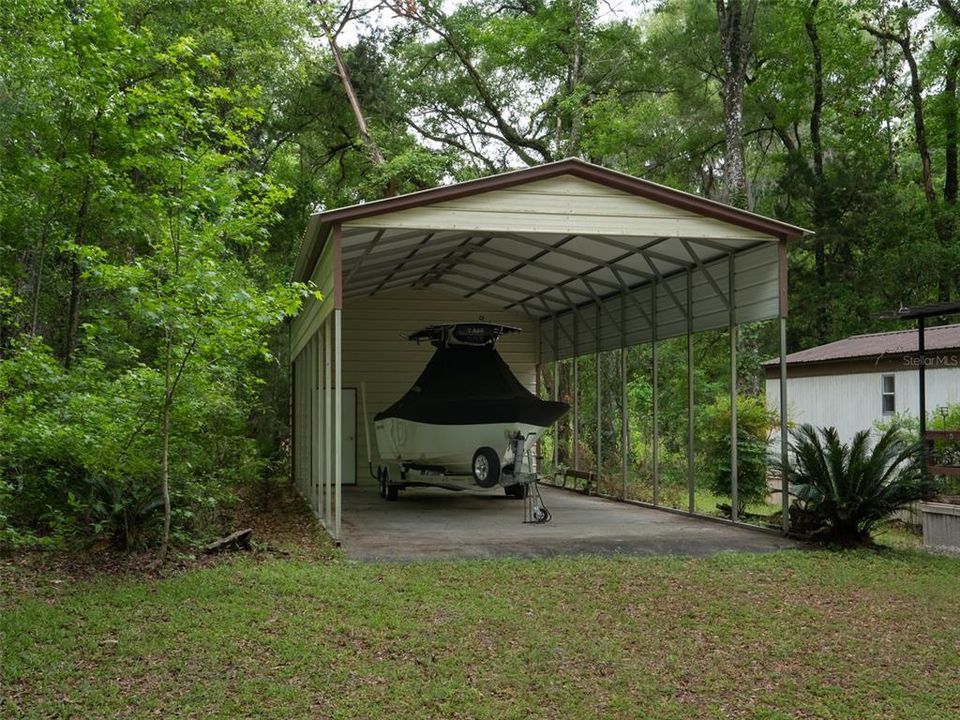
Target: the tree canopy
(159, 159)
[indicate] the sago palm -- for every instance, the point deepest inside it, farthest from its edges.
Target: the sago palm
(845, 489)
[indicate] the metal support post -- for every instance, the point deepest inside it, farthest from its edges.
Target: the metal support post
(691, 438)
(734, 461)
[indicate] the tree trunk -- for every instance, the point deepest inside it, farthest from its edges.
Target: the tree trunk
(819, 244)
(574, 78)
(165, 448)
(73, 310)
(923, 149)
(735, 23)
(37, 283)
(376, 155)
(950, 180)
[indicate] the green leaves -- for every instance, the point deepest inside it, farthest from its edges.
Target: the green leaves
(842, 490)
(133, 186)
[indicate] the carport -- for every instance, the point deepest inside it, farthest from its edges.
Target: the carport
(584, 259)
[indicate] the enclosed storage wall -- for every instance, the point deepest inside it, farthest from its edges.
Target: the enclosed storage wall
(315, 396)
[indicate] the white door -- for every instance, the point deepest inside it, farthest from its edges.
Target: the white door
(349, 436)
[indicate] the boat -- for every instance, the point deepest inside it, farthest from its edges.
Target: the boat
(464, 413)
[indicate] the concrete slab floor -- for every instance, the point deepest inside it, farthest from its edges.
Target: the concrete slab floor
(428, 523)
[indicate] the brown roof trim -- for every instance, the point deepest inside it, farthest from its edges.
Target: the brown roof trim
(875, 346)
(322, 222)
(890, 363)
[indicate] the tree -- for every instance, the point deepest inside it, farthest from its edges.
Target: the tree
(735, 22)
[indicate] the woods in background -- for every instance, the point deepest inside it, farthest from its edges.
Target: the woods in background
(159, 159)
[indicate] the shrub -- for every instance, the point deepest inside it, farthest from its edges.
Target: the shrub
(755, 422)
(843, 490)
(78, 450)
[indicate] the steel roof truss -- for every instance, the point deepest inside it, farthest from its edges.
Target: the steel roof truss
(548, 267)
(603, 307)
(706, 273)
(576, 309)
(423, 258)
(625, 290)
(437, 243)
(574, 254)
(553, 314)
(536, 256)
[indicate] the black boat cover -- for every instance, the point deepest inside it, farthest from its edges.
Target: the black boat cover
(464, 385)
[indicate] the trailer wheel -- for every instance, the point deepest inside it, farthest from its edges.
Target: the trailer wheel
(382, 481)
(486, 467)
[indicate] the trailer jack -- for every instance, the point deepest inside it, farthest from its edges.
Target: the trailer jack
(534, 511)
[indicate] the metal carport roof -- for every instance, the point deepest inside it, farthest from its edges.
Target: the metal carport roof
(602, 258)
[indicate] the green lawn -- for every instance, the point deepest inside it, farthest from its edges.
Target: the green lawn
(794, 634)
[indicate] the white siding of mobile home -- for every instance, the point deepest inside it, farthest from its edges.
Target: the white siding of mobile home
(375, 354)
(852, 402)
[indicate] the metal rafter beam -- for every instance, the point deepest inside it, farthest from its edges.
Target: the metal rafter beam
(609, 264)
(384, 254)
(536, 256)
(557, 324)
(363, 256)
(644, 252)
(603, 307)
(467, 288)
(448, 261)
(628, 292)
(576, 309)
(706, 273)
(563, 272)
(506, 286)
(423, 258)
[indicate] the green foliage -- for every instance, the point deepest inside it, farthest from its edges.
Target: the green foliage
(160, 159)
(943, 453)
(138, 193)
(78, 449)
(755, 423)
(844, 490)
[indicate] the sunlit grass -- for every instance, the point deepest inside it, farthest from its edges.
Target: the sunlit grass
(804, 633)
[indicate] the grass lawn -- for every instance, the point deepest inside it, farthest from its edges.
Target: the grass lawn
(796, 634)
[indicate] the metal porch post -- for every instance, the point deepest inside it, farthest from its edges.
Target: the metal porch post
(596, 383)
(624, 407)
(328, 430)
(734, 469)
(556, 395)
(784, 439)
(656, 402)
(338, 420)
(576, 393)
(691, 440)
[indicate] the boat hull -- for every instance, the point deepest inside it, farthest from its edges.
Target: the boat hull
(450, 447)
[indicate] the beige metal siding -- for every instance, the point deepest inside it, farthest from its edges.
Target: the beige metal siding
(310, 318)
(563, 204)
(374, 353)
(756, 298)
